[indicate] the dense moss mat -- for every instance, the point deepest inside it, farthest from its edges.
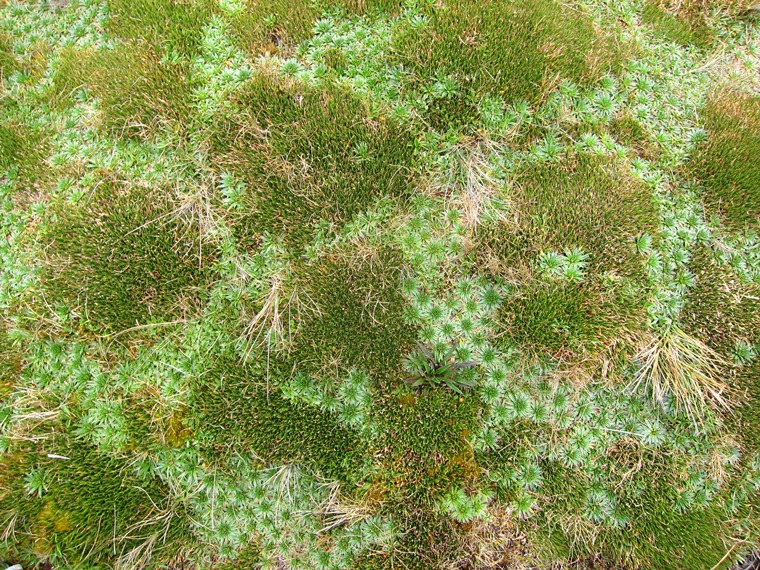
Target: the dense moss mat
(278, 26)
(168, 26)
(630, 132)
(589, 204)
(424, 450)
(8, 61)
(23, 148)
(354, 316)
(84, 508)
(513, 50)
(124, 256)
(684, 30)
(727, 164)
(655, 535)
(138, 91)
(234, 409)
(225, 225)
(726, 313)
(307, 155)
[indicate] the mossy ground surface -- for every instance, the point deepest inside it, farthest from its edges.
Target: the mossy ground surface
(228, 226)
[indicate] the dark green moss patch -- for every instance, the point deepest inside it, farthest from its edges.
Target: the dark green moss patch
(727, 164)
(514, 50)
(8, 61)
(682, 30)
(124, 257)
(233, 410)
(590, 204)
(139, 93)
(170, 26)
(424, 444)
(631, 133)
(83, 495)
(308, 154)
(359, 321)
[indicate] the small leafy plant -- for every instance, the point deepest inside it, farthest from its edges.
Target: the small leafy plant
(434, 367)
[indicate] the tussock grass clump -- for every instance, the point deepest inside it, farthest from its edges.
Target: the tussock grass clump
(592, 205)
(359, 322)
(513, 50)
(169, 26)
(124, 257)
(307, 155)
(236, 409)
(727, 164)
(138, 93)
(679, 366)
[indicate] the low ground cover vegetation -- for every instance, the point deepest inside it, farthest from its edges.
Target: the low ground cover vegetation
(375, 284)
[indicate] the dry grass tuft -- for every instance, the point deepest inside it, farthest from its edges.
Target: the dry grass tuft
(680, 366)
(469, 183)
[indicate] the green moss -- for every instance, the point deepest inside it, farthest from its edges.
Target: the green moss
(232, 410)
(424, 444)
(23, 149)
(277, 26)
(552, 318)
(124, 257)
(138, 93)
(681, 30)
(359, 320)
(169, 26)
(590, 204)
(297, 150)
(84, 495)
(8, 61)
(656, 534)
(514, 50)
(423, 450)
(271, 27)
(727, 164)
(631, 133)
(721, 311)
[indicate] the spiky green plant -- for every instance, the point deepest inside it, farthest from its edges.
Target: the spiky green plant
(431, 368)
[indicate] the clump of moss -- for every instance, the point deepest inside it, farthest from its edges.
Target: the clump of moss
(424, 450)
(234, 408)
(358, 321)
(682, 29)
(23, 151)
(727, 164)
(725, 313)
(592, 205)
(168, 26)
(278, 26)
(138, 92)
(8, 61)
(631, 133)
(124, 257)
(306, 155)
(62, 506)
(513, 50)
